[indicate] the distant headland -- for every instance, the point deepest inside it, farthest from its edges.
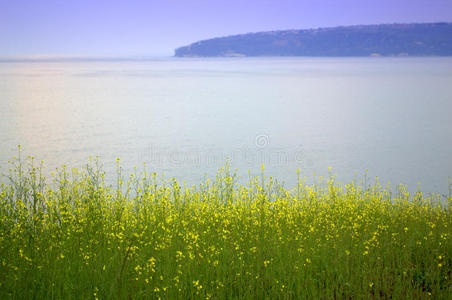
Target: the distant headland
(426, 39)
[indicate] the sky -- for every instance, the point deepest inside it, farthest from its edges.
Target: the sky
(33, 28)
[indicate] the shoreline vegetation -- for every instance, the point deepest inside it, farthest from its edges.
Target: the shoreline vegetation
(72, 236)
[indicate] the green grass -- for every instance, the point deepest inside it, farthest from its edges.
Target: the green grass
(75, 237)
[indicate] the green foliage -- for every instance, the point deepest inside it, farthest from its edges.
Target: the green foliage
(76, 237)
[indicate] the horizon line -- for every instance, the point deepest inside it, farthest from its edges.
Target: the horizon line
(135, 57)
(81, 58)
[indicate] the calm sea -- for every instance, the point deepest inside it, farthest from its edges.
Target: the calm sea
(185, 117)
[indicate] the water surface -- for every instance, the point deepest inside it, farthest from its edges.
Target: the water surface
(184, 117)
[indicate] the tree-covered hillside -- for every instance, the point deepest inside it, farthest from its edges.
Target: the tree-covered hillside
(430, 39)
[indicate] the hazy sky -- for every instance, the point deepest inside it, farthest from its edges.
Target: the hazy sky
(156, 27)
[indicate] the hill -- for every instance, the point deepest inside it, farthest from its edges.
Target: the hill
(427, 39)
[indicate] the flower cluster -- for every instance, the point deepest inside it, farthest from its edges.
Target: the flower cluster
(78, 236)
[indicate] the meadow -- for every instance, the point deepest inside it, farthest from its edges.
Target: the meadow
(75, 236)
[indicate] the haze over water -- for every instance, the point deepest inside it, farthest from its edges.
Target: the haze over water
(184, 117)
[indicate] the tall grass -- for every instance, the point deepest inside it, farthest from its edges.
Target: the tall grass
(75, 237)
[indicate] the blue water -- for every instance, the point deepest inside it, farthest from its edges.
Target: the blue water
(184, 117)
